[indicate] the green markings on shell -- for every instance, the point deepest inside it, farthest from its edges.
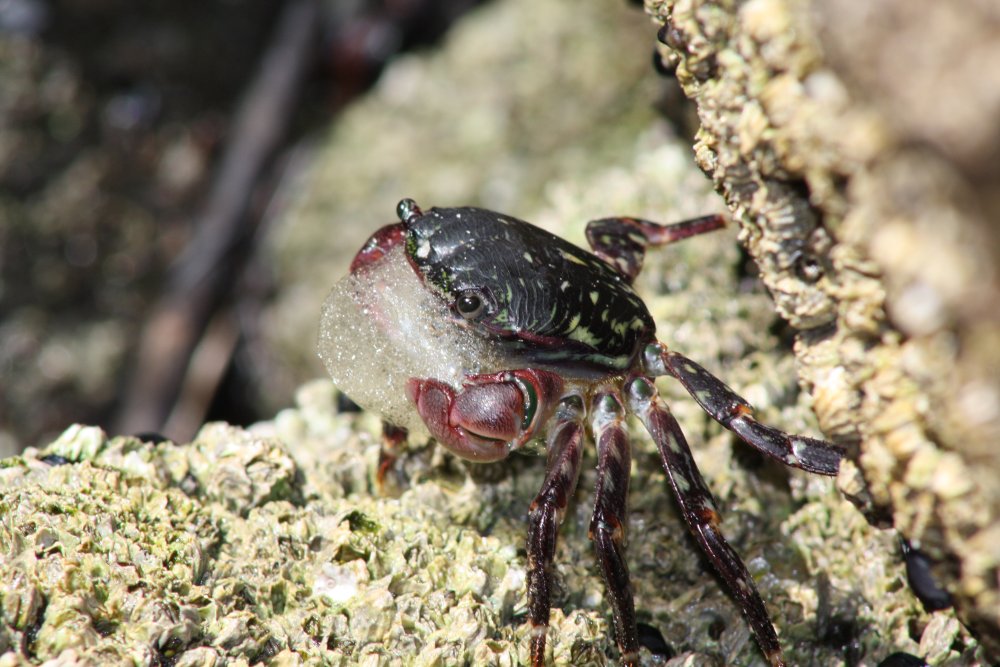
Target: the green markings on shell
(584, 335)
(572, 257)
(548, 301)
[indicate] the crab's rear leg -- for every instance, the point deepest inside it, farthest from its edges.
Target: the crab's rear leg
(565, 449)
(732, 411)
(622, 242)
(607, 527)
(699, 510)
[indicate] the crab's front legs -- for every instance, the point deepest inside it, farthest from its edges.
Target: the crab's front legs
(486, 419)
(608, 525)
(564, 448)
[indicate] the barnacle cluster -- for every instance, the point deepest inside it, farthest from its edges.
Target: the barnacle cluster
(857, 177)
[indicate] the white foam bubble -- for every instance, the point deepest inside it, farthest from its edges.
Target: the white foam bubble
(383, 326)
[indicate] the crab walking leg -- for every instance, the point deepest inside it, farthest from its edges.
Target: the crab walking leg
(622, 242)
(607, 527)
(732, 411)
(562, 469)
(699, 511)
(393, 440)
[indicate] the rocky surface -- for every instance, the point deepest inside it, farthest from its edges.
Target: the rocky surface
(272, 545)
(858, 149)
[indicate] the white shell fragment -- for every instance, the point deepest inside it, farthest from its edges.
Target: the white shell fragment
(382, 326)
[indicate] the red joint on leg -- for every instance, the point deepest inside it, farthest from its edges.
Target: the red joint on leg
(709, 516)
(393, 439)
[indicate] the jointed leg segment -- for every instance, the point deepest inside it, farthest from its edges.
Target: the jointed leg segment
(698, 509)
(733, 412)
(608, 525)
(622, 242)
(565, 449)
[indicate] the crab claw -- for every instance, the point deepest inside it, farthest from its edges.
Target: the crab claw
(378, 246)
(438, 406)
(491, 415)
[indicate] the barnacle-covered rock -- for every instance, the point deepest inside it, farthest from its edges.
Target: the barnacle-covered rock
(223, 551)
(117, 550)
(858, 147)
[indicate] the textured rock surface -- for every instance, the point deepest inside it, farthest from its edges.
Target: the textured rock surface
(269, 545)
(858, 147)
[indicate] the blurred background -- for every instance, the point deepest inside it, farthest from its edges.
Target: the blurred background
(181, 182)
(147, 149)
(142, 149)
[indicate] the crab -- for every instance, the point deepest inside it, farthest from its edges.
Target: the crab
(490, 333)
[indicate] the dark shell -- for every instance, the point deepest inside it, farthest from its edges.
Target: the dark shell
(554, 303)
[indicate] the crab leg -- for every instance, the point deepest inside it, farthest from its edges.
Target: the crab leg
(393, 440)
(565, 448)
(622, 242)
(608, 525)
(699, 511)
(732, 411)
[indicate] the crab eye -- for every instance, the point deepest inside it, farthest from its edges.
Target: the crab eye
(469, 304)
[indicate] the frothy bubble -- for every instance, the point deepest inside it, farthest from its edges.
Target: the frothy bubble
(382, 326)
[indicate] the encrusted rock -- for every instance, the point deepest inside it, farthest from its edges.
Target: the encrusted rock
(857, 146)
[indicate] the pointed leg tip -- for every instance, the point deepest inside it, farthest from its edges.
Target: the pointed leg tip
(630, 659)
(775, 658)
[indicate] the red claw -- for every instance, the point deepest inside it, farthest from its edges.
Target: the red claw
(435, 402)
(378, 246)
(491, 414)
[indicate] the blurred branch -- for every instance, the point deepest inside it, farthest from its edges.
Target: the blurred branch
(213, 259)
(165, 391)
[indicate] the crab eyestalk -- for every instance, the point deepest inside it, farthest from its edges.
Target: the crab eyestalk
(407, 209)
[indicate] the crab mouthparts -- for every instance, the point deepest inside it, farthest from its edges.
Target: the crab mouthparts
(378, 246)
